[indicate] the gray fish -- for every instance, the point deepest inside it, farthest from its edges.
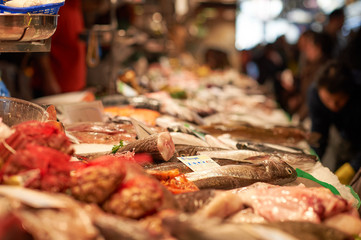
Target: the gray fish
(235, 155)
(189, 150)
(183, 168)
(236, 176)
(267, 147)
(297, 160)
(289, 136)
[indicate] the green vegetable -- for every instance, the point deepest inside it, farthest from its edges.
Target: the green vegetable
(116, 147)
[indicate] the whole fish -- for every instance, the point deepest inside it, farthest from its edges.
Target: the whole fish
(184, 150)
(235, 176)
(267, 147)
(289, 136)
(235, 155)
(183, 168)
(297, 160)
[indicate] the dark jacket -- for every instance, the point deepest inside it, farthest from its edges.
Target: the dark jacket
(347, 121)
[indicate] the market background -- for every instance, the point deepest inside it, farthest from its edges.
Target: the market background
(202, 63)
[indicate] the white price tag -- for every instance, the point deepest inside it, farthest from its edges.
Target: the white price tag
(198, 163)
(84, 112)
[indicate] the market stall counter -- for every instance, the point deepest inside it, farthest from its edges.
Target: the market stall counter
(222, 161)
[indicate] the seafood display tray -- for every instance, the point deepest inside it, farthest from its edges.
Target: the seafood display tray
(14, 111)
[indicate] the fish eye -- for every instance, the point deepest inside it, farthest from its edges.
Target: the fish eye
(289, 170)
(183, 155)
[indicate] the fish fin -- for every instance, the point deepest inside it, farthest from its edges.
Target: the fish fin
(260, 157)
(141, 129)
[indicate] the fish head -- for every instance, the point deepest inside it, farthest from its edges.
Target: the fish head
(280, 169)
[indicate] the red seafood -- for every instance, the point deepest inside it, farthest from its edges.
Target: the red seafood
(95, 181)
(38, 167)
(38, 133)
(136, 198)
(174, 181)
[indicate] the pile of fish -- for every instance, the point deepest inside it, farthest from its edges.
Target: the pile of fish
(187, 172)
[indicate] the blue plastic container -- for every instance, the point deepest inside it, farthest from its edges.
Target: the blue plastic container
(51, 9)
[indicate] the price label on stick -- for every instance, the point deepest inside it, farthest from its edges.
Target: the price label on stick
(198, 163)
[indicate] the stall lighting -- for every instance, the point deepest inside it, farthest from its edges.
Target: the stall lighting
(329, 5)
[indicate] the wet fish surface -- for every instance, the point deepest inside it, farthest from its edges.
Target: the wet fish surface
(189, 150)
(266, 147)
(192, 201)
(187, 139)
(236, 176)
(114, 228)
(296, 160)
(183, 168)
(287, 136)
(235, 155)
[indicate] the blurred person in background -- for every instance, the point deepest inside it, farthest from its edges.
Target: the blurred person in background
(63, 69)
(15, 74)
(333, 29)
(216, 59)
(316, 49)
(351, 55)
(335, 100)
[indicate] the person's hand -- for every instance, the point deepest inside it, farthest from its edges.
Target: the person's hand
(345, 173)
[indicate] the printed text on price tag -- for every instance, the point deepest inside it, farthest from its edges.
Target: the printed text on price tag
(198, 163)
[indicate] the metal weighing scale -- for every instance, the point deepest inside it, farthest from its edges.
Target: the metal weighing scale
(26, 32)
